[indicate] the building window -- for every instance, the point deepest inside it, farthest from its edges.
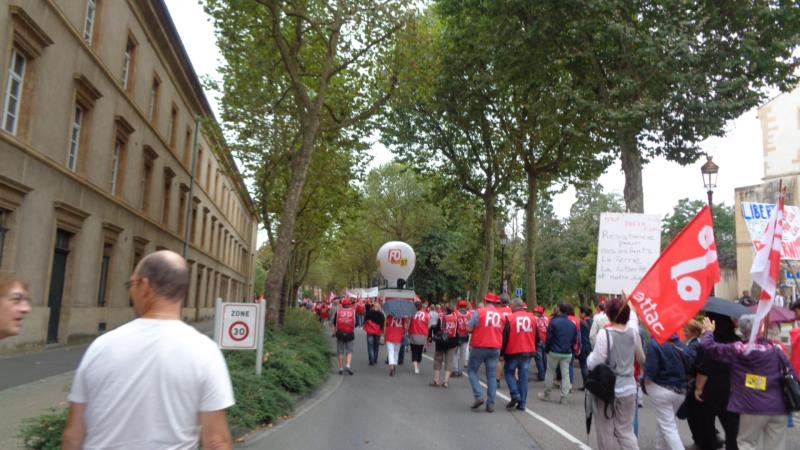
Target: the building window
(203, 229)
(199, 164)
(119, 150)
(182, 209)
(193, 225)
(165, 210)
(152, 108)
(128, 64)
(147, 177)
(208, 178)
(75, 139)
(198, 288)
(4, 219)
(102, 291)
(173, 121)
(16, 76)
(91, 12)
(187, 142)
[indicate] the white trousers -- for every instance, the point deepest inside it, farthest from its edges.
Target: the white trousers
(393, 350)
(666, 404)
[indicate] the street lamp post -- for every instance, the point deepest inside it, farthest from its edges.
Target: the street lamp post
(503, 243)
(709, 171)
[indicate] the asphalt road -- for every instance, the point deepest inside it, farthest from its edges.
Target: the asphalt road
(370, 410)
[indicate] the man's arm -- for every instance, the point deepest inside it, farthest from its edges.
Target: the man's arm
(75, 430)
(215, 433)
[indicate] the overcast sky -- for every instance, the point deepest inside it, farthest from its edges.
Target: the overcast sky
(739, 153)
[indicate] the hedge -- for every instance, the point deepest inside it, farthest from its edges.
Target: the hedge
(297, 359)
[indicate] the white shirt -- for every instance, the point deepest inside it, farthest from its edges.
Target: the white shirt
(145, 383)
(779, 300)
(600, 353)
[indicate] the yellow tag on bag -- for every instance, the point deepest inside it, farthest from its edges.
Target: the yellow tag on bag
(756, 382)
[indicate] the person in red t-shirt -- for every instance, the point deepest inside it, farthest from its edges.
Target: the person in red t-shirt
(462, 351)
(794, 339)
(519, 345)
(418, 334)
(345, 323)
(361, 309)
(487, 340)
(542, 322)
(394, 333)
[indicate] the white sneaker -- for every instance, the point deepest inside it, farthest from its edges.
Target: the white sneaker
(416, 371)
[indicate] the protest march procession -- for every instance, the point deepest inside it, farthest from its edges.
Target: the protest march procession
(393, 224)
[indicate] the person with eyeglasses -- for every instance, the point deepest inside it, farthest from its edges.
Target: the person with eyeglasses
(155, 382)
(14, 304)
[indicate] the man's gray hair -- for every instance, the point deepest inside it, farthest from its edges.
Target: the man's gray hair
(167, 272)
(746, 324)
(517, 303)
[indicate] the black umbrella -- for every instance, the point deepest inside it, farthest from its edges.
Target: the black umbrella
(587, 407)
(725, 307)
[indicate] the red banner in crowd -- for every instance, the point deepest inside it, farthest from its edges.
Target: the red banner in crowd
(677, 286)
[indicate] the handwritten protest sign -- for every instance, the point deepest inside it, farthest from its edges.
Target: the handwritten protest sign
(757, 215)
(628, 244)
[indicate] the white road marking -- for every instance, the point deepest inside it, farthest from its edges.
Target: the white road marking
(540, 418)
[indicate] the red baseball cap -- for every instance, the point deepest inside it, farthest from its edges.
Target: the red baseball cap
(346, 302)
(491, 297)
(461, 304)
(539, 309)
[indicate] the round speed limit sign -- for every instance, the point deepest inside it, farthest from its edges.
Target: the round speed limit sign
(238, 331)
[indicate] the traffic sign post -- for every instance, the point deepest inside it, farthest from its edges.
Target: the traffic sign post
(240, 326)
(519, 292)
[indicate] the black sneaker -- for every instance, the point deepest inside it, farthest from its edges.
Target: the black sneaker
(477, 404)
(349, 371)
(489, 409)
(512, 404)
(341, 371)
(520, 408)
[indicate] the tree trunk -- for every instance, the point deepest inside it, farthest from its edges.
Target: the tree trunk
(488, 245)
(632, 166)
(530, 238)
(280, 259)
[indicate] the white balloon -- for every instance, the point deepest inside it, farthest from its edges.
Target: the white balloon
(396, 261)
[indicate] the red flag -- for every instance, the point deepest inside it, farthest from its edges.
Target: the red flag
(678, 285)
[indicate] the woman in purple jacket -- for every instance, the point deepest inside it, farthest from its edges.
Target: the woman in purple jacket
(756, 386)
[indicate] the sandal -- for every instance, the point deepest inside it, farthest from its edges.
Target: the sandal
(434, 384)
(444, 385)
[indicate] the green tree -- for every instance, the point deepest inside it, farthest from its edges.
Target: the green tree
(443, 123)
(296, 71)
(724, 228)
(667, 74)
(539, 105)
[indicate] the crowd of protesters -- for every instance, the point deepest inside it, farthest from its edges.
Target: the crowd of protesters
(702, 376)
(705, 375)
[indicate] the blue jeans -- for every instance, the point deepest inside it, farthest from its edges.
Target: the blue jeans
(518, 388)
(373, 347)
(541, 361)
(489, 357)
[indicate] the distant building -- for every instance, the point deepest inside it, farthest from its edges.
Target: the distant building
(97, 133)
(780, 129)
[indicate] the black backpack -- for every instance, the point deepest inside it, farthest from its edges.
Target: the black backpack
(602, 380)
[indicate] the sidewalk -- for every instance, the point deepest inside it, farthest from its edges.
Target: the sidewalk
(30, 385)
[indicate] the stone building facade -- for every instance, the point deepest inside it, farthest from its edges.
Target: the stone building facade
(780, 131)
(102, 161)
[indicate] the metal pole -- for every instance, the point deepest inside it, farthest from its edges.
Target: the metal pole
(711, 208)
(262, 324)
(191, 189)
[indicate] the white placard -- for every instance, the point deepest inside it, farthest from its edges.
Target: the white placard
(628, 244)
(238, 326)
(756, 217)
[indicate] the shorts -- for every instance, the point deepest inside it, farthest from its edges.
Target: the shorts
(344, 347)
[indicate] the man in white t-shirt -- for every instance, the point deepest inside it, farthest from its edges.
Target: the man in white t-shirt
(155, 382)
